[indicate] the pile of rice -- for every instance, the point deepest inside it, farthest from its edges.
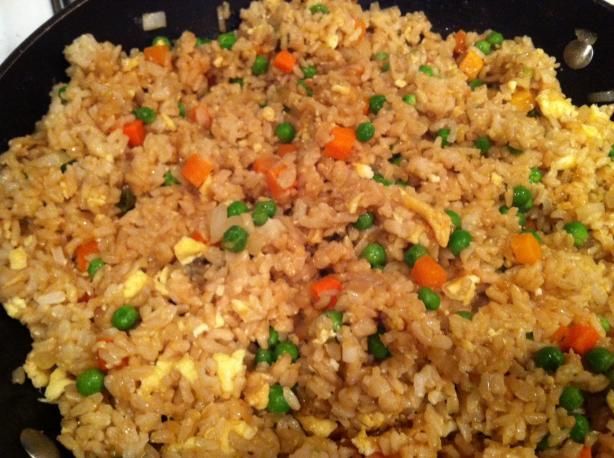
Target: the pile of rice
(184, 381)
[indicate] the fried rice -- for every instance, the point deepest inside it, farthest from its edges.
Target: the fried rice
(305, 333)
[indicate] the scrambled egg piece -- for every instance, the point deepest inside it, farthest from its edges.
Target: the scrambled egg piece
(14, 307)
(199, 329)
(151, 382)
(438, 220)
(135, 282)
(365, 444)
(129, 63)
(39, 377)
(219, 320)
(214, 434)
(363, 170)
(553, 105)
(58, 380)
(240, 307)
(187, 249)
(168, 122)
(462, 289)
(229, 367)
(260, 398)
(187, 368)
(317, 426)
(18, 259)
(372, 420)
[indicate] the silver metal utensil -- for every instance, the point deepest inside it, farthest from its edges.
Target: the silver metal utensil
(37, 444)
(579, 52)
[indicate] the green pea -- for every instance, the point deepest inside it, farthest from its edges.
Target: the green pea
(459, 240)
(410, 99)
(202, 41)
(466, 314)
(571, 398)
(504, 209)
(235, 239)
(580, 429)
(455, 218)
(285, 346)
(65, 165)
(426, 69)
(94, 266)
(384, 59)
(268, 206)
(443, 133)
(277, 401)
(260, 66)
(308, 91)
(475, 83)
(578, 231)
(365, 131)
(484, 46)
(549, 358)
(522, 198)
(495, 38)
(259, 217)
(90, 381)
(599, 360)
(377, 348)
(181, 108)
(336, 317)
(605, 324)
(514, 151)
(381, 179)
(535, 175)
(236, 208)
(285, 132)
(375, 254)
(414, 253)
(364, 221)
(376, 103)
(319, 8)
(309, 71)
(543, 444)
(227, 40)
(273, 337)
(238, 81)
(145, 114)
(125, 317)
(483, 144)
(62, 94)
(169, 179)
(395, 159)
(429, 298)
(264, 356)
(161, 41)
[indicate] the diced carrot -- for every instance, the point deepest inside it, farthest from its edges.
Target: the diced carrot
(196, 170)
(161, 55)
(263, 163)
(471, 64)
(523, 99)
(586, 452)
(135, 131)
(84, 252)
(362, 25)
(200, 115)
(427, 272)
(340, 147)
(284, 61)
(560, 337)
(198, 236)
(526, 248)
(277, 191)
(581, 338)
(328, 286)
(460, 39)
(286, 148)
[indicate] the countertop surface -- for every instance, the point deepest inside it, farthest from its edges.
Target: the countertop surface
(17, 21)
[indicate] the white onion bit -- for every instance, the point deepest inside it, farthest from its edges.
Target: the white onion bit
(153, 21)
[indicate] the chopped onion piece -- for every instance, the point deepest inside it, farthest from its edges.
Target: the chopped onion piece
(153, 21)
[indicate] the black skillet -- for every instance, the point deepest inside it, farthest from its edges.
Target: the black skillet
(27, 75)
